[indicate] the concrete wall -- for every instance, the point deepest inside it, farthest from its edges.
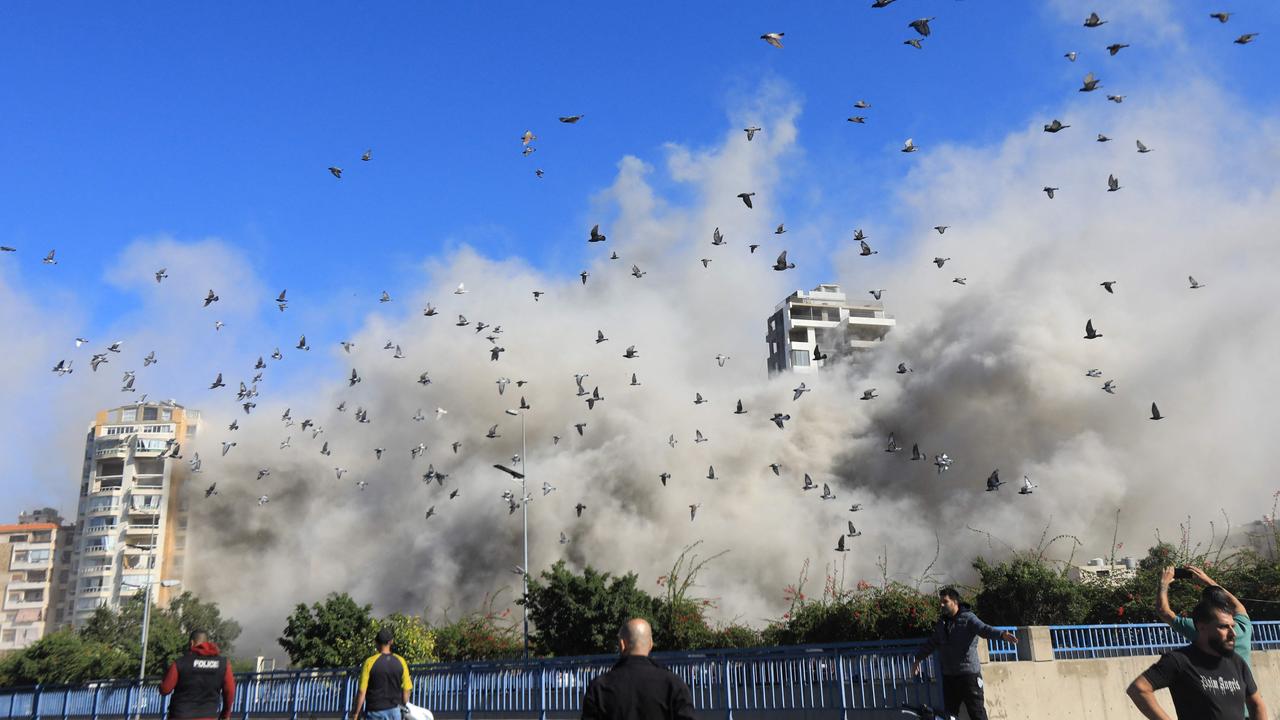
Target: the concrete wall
(1094, 689)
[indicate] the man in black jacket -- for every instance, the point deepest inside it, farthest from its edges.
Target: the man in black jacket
(200, 681)
(637, 688)
(956, 640)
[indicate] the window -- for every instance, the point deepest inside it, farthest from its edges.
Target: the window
(157, 428)
(149, 466)
(150, 444)
(110, 467)
(799, 335)
(41, 537)
(166, 413)
(150, 413)
(17, 538)
(118, 430)
(130, 415)
(100, 523)
(800, 358)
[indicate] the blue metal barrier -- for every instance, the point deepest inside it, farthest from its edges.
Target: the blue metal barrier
(840, 679)
(1077, 642)
(1001, 650)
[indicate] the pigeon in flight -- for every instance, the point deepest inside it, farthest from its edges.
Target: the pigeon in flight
(634, 380)
(584, 275)
(866, 250)
(840, 545)
(1108, 285)
(527, 137)
(493, 433)
(217, 382)
(892, 446)
(853, 531)
(595, 398)
(1244, 39)
(429, 310)
(212, 297)
(571, 119)
(773, 38)
(664, 477)
(1109, 387)
(746, 198)
(1155, 412)
(698, 437)
(1221, 17)
(921, 26)
(903, 369)
(808, 483)
(1195, 284)
(1103, 138)
(739, 410)
(630, 353)
(226, 447)
(1090, 83)
(782, 263)
(1027, 486)
(876, 293)
(48, 259)
(1071, 56)
(1049, 191)
(263, 500)
(302, 343)
(940, 261)
(915, 452)
(1094, 21)
(161, 274)
(711, 472)
(993, 481)
(355, 378)
(859, 119)
(579, 508)
(1089, 333)
(1142, 149)
(1093, 373)
(942, 462)
(63, 367)
(698, 399)
(430, 511)
(671, 440)
(779, 418)
(1116, 47)
(915, 43)
(637, 273)
(751, 132)
(798, 391)
(1112, 183)
(693, 510)
(720, 359)
(909, 146)
(1055, 126)
(826, 493)
(580, 427)
(776, 467)
(717, 238)
(335, 171)
(1117, 99)
(869, 394)
(596, 236)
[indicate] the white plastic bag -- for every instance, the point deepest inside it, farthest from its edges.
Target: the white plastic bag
(413, 712)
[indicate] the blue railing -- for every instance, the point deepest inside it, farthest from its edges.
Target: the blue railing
(844, 678)
(1002, 650)
(1080, 642)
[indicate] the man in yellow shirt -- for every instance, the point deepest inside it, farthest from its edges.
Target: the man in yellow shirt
(384, 682)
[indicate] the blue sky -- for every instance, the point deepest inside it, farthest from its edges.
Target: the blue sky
(196, 121)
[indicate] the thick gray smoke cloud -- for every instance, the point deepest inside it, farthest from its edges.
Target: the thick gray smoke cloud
(998, 382)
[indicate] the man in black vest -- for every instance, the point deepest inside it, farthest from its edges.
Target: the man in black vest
(637, 688)
(197, 679)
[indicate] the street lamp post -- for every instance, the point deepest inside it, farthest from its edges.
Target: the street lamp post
(524, 506)
(146, 615)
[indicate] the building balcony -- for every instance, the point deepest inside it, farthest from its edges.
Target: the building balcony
(876, 321)
(94, 591)
(149, 510)
(100, 510)
(10, 604)
(39, 585)
(99, 550)
(31, 565)
(149, 481)
(100, 530)
(112, 451)
(98, 570)
(146, 452)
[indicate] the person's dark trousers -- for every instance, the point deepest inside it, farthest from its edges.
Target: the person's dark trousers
(964, 690)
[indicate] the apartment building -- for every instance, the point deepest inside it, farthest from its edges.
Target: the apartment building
(35, 556)
(132, 516)
(822, 320)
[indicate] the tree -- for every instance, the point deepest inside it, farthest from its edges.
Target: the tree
(485, 634)
(581, 614)
(335, 633)
(64, 656)
(1025, 590)
(167, 636)
(415, 642)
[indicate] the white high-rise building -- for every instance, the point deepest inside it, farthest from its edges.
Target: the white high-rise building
(132, 519)
(822, 320)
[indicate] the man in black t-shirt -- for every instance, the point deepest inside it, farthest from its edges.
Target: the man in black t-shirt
(637, 688)
(1207, 680)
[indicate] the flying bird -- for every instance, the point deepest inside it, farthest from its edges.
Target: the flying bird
(903, 369)
(940, 261)
(711, 472)
(859, 119)
(866, 250)
(336, 171)
(1142, 149)
(1094, 21)
(876, 293)
(1070, 56)
(1155, 413)
(1089, 333)
(915, 43)
(780, 229)
(1113, 184)
(1055, 126)
(693, 510)
(1090, 83)
(1049, 191)
(1221, 17)
(778, 419)
(1116, 47)
(212, 297)
(798, 391)
(1244, 39)
(1109, 387)
(840, 545)
(853, 531)
(782, 263)
(869, 394)
(1027, 487)
(993, 481)
(1195, 284)
(751, 132)
(48, 259)
(571, 119)
(1103, 138)
(1108, 285)
(595, 235)
(921, 26)
(527, 137)
(909, 146)
(1117, 99)
(746, 198)
(773, 38)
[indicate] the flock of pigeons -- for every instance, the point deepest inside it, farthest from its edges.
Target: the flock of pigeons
(248, 390)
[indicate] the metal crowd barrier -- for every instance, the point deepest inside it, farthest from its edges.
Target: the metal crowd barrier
(1078, 642)
(843, 679)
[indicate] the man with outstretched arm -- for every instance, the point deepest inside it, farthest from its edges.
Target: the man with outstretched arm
(956, 640)
(1207, 679)
(1187, 628)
